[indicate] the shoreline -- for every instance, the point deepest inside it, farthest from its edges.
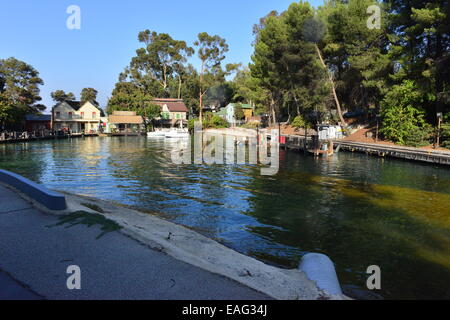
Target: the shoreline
(190, 247)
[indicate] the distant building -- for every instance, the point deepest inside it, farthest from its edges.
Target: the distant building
(228, 113)
(173, 111)
(38, 122)
(71, 115)
(125, 122)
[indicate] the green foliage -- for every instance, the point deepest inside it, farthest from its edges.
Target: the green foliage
(19, 91)
(355, 53)
(419, 136)
(210, 121)
(127, 96)
(238, 112)
(211, 52)
(445, 132)
(158, 63)
(191, 124)
(61, 96)
(419, 44)
(250, 125)
(213, 121)
(403, 119)
(298, 122)
(286, 63)
(247, 89)
(89, 94)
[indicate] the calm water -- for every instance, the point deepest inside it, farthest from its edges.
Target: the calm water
(358, 210)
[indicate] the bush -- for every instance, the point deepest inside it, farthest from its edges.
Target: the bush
(445, 132)
(218, 122)
(210, 121)
(238, 112)
(419, 137)
(251, 125)
(191, 124)
(298, 122)
(403, 119)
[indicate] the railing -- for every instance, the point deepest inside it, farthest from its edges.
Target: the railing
(42, 134)
(75, 117)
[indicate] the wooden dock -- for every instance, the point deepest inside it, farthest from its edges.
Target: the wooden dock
(308, 144)
(30, 137)
(408, 153)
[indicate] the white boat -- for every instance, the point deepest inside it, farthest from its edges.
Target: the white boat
(159, 134)
(177, 134)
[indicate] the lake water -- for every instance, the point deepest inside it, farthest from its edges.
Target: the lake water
(359, 210)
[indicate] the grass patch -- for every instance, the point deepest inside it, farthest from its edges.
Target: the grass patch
(88, 219)
(93, 207)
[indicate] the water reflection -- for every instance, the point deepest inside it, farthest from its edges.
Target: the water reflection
(357, 209)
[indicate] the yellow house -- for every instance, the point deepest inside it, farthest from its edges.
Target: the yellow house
(71, 115)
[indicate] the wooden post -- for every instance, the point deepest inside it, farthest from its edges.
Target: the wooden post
(438, 134)
(305, 145)
(376, 134)
(439, 116)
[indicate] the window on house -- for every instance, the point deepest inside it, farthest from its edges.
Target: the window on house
(58, 115)
(82, 115)
(70, 115)
(94, 115)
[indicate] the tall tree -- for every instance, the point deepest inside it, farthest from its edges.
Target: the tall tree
(287, 66)
(19, 91)
(160, 60)
(61, 96)
(211, 51)
(269, 48)
(420, 48)
(89, 94)
(355, 54)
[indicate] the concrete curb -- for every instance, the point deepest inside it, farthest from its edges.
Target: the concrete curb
(189, 246)
(50, 199)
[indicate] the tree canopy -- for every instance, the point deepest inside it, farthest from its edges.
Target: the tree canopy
(19, 91)
(61, 96)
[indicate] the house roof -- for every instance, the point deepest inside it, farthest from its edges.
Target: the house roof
(242, 105)
(116, 119)
(74, 104)
(174, 105)
(38, 117)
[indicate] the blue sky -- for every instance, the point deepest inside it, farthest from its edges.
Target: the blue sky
(36, 32)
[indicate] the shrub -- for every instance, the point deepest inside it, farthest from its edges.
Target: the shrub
(419, 137)
(218, 122)
(251, 125)
(238, 112)
(445, 132)
(402, 115)
(210, 121)
(298, 122)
